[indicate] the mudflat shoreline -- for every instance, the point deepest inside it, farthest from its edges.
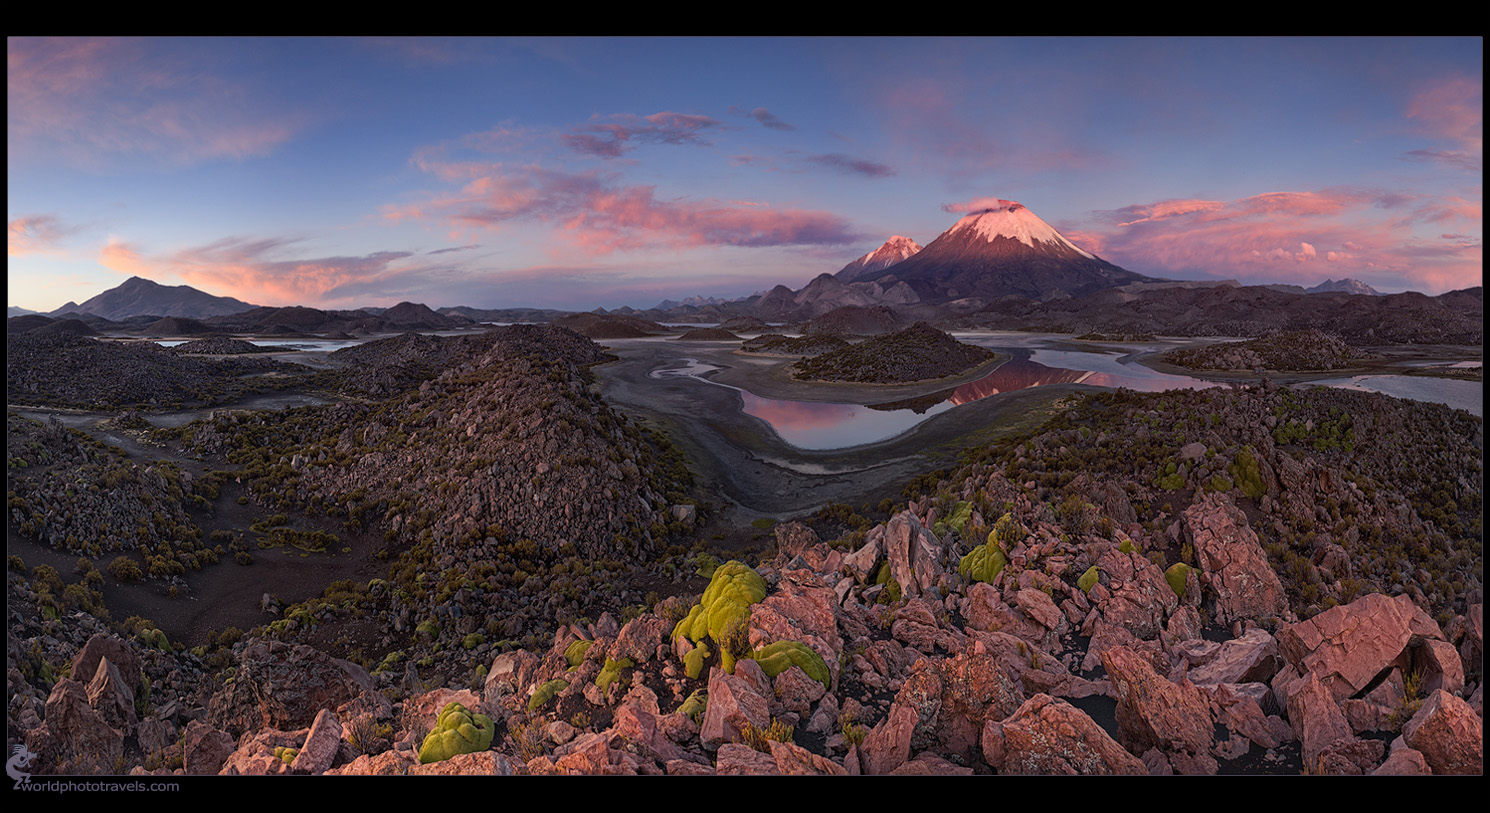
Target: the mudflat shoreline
(758, 474)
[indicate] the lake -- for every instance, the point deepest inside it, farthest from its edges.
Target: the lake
(814, 425)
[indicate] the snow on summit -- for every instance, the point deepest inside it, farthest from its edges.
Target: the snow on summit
(1014, 221)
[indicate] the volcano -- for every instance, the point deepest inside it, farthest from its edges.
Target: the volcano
(1000, 251)
(895, 250)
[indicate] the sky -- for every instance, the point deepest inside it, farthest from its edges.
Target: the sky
(601, 172)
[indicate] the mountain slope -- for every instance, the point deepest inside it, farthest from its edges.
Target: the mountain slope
(895, 250)
(1005, 250)
(138, 296)
(1346, 285)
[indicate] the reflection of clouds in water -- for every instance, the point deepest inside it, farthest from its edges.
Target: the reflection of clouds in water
(812, 425)
(796, 416)
(820, 426)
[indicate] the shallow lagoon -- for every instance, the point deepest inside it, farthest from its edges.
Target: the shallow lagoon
(814, 425)
(1465, 395)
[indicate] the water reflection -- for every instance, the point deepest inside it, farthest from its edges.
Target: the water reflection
(814, 425)
(1465, 395)
(819, 426)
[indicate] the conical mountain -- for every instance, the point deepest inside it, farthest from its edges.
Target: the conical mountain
(896, 249)
(1002, 250)
(138, 296)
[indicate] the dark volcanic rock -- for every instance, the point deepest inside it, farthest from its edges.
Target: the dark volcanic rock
(709, 334)
(66, 370)
(918, 353)
(608, 326)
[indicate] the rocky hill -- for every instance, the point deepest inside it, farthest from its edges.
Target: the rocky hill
(1291, 351)
(498, 434)
(1253, 580)
(608, 326)
(709, 334)
(917, 353)
(61, 369)
(857, 321)
(221, 346)
(775, 344)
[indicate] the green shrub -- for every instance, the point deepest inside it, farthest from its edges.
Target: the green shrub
(457, 731)
(783, 655)
(1007, 532)
(125, 569)
(1088, 579)
(543, 694)
(983, 563)
(1177, 575)
(725, 603)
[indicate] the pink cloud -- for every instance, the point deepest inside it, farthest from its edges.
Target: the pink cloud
(1453, 109)
(258, 271)
(87, 99)
(37, 234)
(1291, 236)
(599, 215)
(976, 205)
(123, 257)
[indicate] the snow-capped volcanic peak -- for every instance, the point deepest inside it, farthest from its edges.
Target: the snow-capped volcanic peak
(893, 251)
(1012, 220)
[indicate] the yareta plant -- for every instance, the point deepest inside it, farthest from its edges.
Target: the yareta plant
(457, 731)
(725, 603)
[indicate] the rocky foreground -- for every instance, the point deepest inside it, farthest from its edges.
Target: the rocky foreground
(825, 671)
(1246, 580)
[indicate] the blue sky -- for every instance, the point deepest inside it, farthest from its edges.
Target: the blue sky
(599, 172)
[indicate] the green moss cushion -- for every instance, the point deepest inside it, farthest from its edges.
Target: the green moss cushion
(1176, 575)
(457, 731)
(725, 603)
(546, 692)
(983, 563)
(1088, 579)
(611, 671)
(696, 704)
(783, 655)
(574, 654)
(693, 662)
(961, 513)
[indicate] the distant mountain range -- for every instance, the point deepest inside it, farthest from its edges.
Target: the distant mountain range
(1346, 285)
(999, 267)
